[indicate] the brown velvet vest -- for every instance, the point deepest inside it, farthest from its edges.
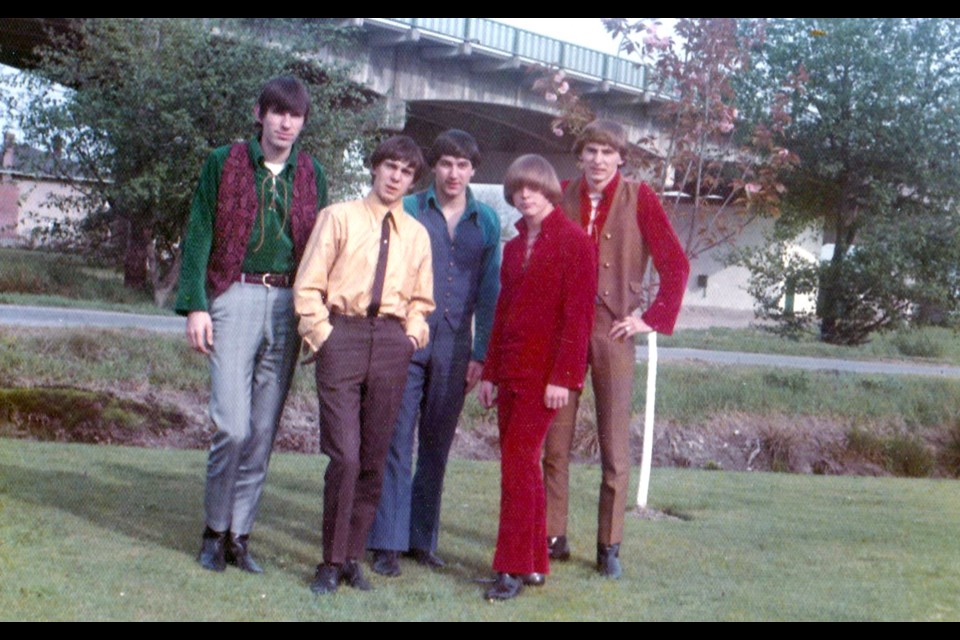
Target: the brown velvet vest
(237, 210)
(622, 254)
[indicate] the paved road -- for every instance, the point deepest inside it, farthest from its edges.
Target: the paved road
(25, 316)
(803, 362)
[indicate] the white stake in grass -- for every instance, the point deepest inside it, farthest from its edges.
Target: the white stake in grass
(646, 459)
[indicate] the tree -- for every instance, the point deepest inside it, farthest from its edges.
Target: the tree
(711, 163)
(146, 101)
(877, 132)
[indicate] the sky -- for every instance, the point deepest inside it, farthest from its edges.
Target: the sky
(587, 32)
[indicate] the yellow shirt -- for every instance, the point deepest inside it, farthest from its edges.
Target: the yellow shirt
(340, 261)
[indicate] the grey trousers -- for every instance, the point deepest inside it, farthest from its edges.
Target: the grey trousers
(255, 351)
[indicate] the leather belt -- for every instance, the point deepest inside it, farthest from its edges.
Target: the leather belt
(280, 280)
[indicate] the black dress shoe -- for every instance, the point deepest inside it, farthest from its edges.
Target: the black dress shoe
(558, 548)
(352, 574)
(426, 557)
(532, 579)
(385, 562)
(608, 560)
(505, 588)
(213, 550)
(326, 579)
(238, 554)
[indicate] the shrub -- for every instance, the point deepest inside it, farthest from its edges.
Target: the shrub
(901, 454)
(917, 345)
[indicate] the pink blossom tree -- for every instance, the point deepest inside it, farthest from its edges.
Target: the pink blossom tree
(707, 161)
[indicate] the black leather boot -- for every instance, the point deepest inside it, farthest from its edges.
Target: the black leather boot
(385, 562)
(558, 548)
(505, 587)
(238, 554)
(608, 560)
(212, 550)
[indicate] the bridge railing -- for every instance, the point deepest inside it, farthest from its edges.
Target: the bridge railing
(498, 38)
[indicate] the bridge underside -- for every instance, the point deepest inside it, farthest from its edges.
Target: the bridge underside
(503, 133)
(19, 37)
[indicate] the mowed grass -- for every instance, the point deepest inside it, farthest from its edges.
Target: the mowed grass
(927, 344)
(41, 278)
(110, 533)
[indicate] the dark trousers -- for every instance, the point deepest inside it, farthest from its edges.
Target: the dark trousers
(409, 513)
(361, 372)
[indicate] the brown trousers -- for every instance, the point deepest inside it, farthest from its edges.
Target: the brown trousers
(612, 365)
(361, 373)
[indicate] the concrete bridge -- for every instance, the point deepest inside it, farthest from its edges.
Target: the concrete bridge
(436, 73)
(477, 74)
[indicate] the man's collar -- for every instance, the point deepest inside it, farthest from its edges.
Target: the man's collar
(553, 219)
(607, 191)
(258, 159)
(470, 208)
(379, 209)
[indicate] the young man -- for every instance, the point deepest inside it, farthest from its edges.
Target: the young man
(363, 293)
(537, 360)
(252, 213)
(629, 227)
(465, 240)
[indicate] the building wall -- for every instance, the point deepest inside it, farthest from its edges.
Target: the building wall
(715, 284)
(9, 209)
(29, 205)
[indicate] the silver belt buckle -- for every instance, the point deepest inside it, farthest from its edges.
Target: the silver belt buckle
(264, 282)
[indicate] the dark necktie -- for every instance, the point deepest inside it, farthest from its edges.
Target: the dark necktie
(381, 274)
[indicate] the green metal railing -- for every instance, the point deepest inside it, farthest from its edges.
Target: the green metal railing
(537, 48)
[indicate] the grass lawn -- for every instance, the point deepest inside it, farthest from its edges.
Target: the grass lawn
(132, 360)
(908, 425)
(135, 360)
(110, 533)
(928, 344)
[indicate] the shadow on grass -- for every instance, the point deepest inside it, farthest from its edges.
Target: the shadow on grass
(154, 500)
(166, 508)
(467, 567)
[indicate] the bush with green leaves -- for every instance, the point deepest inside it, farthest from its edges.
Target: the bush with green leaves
(136, 104)
(877, 132)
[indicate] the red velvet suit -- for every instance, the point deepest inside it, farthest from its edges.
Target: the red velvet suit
(540, 333)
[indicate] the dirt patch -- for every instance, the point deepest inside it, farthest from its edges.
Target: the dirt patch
(78, 415)
(731, 441)
(747, 442)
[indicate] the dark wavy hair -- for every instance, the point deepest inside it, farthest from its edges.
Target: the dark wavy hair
(456, 143)
(284, 94)
(402, 148)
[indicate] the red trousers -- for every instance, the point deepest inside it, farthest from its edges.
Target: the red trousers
(523, 421)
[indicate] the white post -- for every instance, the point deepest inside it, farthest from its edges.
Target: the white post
(646, 459)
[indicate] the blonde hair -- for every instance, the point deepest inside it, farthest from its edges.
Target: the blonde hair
(535, 172)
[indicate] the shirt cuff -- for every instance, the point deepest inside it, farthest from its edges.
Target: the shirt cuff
(418, 329)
